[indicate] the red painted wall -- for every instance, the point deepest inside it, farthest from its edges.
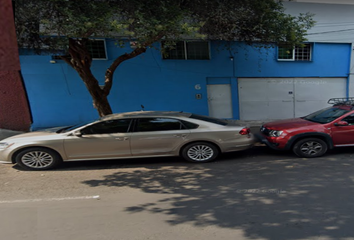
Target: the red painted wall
(14, 108)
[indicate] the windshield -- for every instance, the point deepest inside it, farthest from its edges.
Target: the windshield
(326, 115)
(209, 119)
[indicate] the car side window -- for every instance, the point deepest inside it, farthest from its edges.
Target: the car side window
(106, 127)
(189, 125)
(158, 124)
(349, 119)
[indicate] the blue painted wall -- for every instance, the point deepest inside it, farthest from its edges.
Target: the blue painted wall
(328, 60)
(58, 96)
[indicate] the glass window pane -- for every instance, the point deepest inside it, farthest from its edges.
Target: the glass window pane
(97, 49)
(176, 52)
(303, 53)
(349, 119)
(198, 50)
(285, 53)
(106, 127)
(326, 115)
(189, 125)
(158, 124)
(209, 119)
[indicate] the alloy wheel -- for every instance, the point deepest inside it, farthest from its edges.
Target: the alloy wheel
(200, 153)
(311, 148)
(37, 159)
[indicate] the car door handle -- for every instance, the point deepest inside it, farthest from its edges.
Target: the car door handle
(180, 135)
(122, 139)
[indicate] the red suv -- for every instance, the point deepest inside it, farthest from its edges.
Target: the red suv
(313, 135)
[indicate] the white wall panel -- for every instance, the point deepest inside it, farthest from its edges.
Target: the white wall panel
(334, 22)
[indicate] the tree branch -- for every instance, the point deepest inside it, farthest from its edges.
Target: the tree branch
(110, 71)
(67, 60)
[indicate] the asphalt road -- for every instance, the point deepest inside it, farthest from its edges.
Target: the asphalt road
(254, 194)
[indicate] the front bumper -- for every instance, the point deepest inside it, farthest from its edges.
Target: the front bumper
(5, 156)
(265, 141)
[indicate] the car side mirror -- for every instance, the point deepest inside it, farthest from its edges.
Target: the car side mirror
(77, 133)
(341, 123)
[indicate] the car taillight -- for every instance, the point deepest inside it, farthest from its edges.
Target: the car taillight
(245, 131)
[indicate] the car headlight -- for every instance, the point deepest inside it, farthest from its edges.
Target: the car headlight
(274, 133)
(4, 145)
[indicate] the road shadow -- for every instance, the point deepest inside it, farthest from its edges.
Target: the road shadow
(267, 196)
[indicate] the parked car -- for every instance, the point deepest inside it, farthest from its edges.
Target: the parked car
(128, 135)
(313, 135)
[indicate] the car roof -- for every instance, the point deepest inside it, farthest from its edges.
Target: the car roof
(147, 114)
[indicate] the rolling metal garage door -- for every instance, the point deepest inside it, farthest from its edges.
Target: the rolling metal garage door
(280, 98)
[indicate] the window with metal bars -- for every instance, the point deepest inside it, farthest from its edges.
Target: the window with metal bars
(188, 50)
(298, 53)
(97, 48)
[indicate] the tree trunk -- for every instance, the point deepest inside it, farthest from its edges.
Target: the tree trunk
(81, 60)
(100, 100)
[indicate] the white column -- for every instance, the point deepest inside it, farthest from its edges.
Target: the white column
(351, 72)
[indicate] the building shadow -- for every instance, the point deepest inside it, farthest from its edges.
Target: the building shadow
(267, 196)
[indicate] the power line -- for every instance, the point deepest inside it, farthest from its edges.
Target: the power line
(334, 31)
(334, 25)
(331, 23)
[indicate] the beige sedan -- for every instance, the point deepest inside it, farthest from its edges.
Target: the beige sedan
(142, 134)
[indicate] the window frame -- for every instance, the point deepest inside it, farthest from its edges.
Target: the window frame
(185, 50)
(105, 48)
(293, 59)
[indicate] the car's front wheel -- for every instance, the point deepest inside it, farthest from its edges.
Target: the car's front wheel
(200, 152)
(310, 147)
(37, 159)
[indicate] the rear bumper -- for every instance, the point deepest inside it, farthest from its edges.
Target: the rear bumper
(245, 143)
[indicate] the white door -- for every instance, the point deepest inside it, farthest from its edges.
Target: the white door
(219, 100)
(280, 98)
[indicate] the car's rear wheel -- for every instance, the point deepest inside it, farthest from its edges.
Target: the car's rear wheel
(200, 152)
(310, 147)
(38, 159)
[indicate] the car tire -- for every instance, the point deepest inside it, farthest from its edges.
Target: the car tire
(200, 152)
(38, 159)
(310, 147)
